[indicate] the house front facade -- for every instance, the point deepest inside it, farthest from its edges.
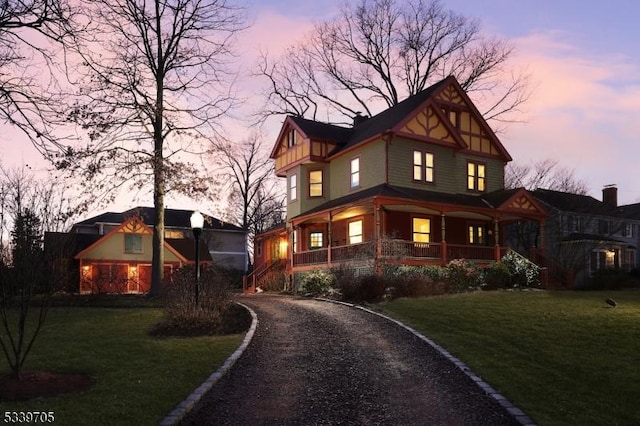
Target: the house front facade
(112, 252)
(420, 183)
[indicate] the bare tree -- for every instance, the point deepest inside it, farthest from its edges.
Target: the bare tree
(387, 50)
(29, 276)
(155, 80)
(30, 33)
(254, 193)
(547, 174)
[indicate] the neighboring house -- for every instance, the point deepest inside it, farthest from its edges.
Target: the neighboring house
(583, 235)
(113, 251)
(420, 183)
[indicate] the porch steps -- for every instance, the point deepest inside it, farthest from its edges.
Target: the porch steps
(260, 276)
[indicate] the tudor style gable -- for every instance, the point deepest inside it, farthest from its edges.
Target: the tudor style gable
(303, 141)
(449, 118)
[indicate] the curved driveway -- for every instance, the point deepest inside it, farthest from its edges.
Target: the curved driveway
(317, 363)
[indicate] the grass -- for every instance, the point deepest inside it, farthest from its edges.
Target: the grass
(565, 358)
(139, 379)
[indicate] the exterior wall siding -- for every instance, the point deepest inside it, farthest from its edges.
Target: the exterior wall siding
(401, 166)
(113, 248)
(372, 166)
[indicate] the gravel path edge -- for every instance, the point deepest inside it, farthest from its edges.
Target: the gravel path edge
(181, 410)
(516, 412)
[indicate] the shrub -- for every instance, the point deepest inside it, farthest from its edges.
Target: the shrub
(524, 273)
(363, 288)
(415, 281)
(497, 275)
(182, 315)
(318, 282)
(611, 279)
(463, 276)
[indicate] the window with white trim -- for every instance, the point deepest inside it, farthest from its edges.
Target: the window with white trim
(132, 243)
(476, 175)
(293, 187)
(421, 230)
(315, 240)
(355, 232)
(315, 183)
(423, 166)
(355, 172)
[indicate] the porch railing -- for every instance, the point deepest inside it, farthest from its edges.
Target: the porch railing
(398, 249)
(311, 257)
(455, 251)
(403, 248)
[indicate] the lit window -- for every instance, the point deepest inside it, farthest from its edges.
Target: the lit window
(423, 166)
(421, 230)
(355, 172)
(293, 187)
(476, 176)
(355, 232)
(315, 240)
(132, 243)
(477, 235)
(315, 183)
(295, 240)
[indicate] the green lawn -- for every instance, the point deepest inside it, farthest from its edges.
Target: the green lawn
(565, 358)
(139, 379)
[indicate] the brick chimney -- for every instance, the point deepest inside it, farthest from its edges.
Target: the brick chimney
(610, 195)
(359, 119)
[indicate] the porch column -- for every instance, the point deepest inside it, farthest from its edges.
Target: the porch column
(377, 218)
(329, 241)
(496, 233)
(443, 244)
(542, 229)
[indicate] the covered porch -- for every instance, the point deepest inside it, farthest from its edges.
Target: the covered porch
(390, 230)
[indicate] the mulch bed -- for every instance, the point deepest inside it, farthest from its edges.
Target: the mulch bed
(42, 384)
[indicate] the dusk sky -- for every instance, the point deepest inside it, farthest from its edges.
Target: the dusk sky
(584, 58)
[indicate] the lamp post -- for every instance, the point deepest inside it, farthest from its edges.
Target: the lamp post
(197, 222)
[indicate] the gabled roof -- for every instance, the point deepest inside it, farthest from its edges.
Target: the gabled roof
(576, 203)
(388, 120)
(134, 222)
(172, 218)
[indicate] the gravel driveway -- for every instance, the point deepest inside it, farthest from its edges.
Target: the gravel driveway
(318, 363)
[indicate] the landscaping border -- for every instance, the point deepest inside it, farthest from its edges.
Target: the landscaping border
(181, 410)
(516, 412)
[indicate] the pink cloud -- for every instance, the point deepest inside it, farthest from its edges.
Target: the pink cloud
(582, 112)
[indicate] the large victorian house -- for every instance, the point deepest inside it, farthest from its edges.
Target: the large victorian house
(420, 183)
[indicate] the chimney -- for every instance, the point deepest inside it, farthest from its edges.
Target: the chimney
(610, 195)
(359, 119)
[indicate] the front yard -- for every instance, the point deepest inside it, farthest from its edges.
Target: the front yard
(139, 379)
(565, 358)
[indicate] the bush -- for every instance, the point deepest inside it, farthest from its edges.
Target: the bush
(463, 276)
(524, 273)
(612, 279)
(317, 283)
(496, 276)
(415, 281)
(182, 316)
(363, 288)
